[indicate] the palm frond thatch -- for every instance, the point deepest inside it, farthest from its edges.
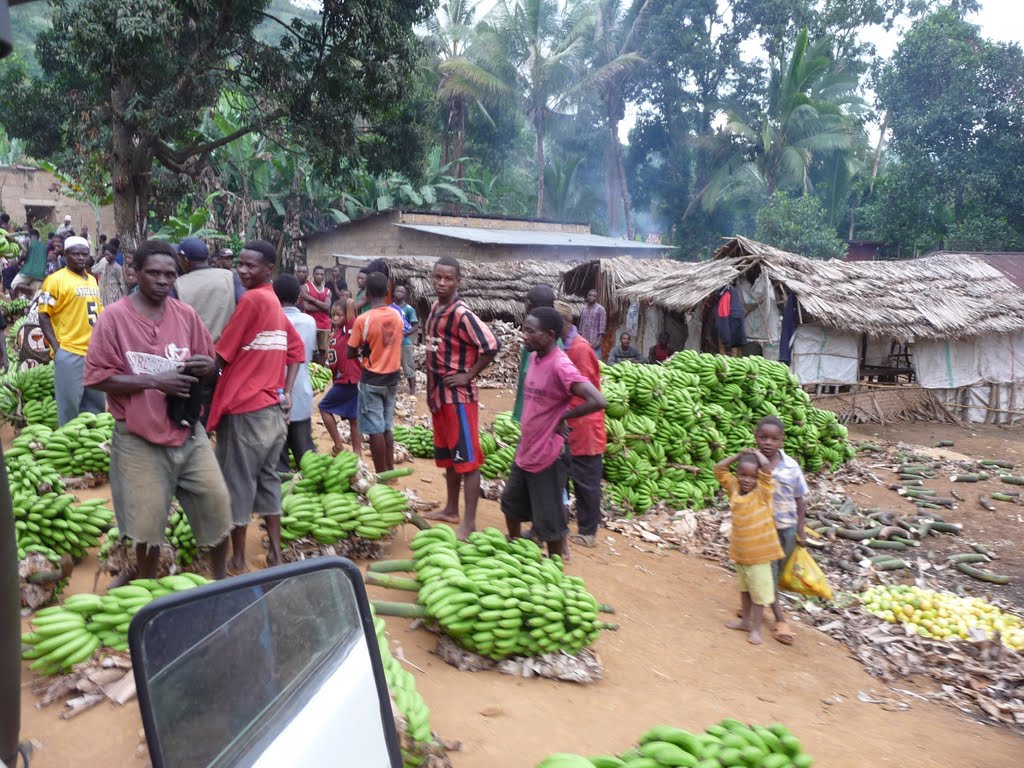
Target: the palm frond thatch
(945, 296)
(493, 290)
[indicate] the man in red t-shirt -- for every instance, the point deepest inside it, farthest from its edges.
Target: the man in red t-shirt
(315, 301)
(587, 436)
(146, 350)
(259, 353)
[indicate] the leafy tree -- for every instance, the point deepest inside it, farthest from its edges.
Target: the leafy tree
(798, 225)
(533, 48)
(131, 79)
(806, 115)
(955, 105)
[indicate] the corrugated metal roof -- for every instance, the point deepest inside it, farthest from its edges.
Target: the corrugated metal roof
(528, 237)
(1010, 264)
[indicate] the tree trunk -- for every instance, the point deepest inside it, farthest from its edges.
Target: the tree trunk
(460, 142)
(131, 174)
(539, 128)
(620, 169)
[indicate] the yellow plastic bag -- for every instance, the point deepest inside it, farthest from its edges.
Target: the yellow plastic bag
(802, 575)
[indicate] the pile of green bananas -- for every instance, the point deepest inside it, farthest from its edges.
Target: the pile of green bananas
(498, 463)
(668, 424)
(506, 430)
(729, 743)
(499, 448)
(8, 248)
(33, 395)
(15, 308)
(82, 445)
(320, 377)
(68, 634)
(331, 517)
(418, 439)
(323, 473)
(40, 412)
(408, 701)
(500, 598)
(179, 535)
(52, 524)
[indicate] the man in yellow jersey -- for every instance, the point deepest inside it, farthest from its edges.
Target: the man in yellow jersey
(69, 305)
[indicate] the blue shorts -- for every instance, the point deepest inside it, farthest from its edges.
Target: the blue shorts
(341, 400)
(376, 408)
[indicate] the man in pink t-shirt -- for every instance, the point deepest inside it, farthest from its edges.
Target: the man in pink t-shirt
(146, 350)
(538, 479)
(259, 354)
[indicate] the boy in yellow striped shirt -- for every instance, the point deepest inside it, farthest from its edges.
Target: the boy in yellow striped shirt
(753, 544)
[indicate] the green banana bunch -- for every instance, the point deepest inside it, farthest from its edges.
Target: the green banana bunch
(40, 412)
(408, 701)
(51, 523)
(728, 743)
(80, 446)
(499, 463)
(417, 439)
(320, 377)
(323, 473)
(179, 535)
(330, 517)
(500, 598)
(506, 430)
(68, 634)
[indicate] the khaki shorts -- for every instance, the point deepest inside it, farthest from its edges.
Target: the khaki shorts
(409, 361)
(144, 477)
(248, 449)
(758, 581)
(323, 339)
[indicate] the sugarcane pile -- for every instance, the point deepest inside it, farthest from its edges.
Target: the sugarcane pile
(79, 447)
(320, 504)
(494, 597)
(68, 634)
(320, 377)
(419, 440)
(47, 520)
(416, 737)
(728, 743)
(668, 424)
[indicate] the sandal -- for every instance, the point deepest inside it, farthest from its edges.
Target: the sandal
(584, 539)
(783, 633)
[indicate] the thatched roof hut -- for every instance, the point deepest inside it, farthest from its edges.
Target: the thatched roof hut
(493, 290)
(946, 296)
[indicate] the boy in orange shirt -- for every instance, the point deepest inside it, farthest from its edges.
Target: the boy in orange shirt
(753, 544)
(377, 338)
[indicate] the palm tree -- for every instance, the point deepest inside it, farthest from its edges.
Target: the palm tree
(461, 81)
(532, 48)
(808, 114)
(616, 29)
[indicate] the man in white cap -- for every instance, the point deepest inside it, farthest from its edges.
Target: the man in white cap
(69, 305)
(65, 228)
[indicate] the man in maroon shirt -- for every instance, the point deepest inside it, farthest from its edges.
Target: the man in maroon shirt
(259, 353)
(147, 349)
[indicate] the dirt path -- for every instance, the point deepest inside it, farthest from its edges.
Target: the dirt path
(671, 662)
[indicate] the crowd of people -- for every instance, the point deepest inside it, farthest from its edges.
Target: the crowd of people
(197, 346)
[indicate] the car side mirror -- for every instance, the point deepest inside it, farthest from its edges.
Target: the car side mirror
(277, 667)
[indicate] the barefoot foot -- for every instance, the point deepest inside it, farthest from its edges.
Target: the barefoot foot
(739, 625)
(463, 531)
(755, 637)
(443, 516)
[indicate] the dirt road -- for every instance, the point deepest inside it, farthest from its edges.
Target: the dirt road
(671, 662)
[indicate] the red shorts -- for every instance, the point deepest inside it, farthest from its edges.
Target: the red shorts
(456, 437)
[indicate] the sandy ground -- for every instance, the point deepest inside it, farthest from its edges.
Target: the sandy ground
(672, 661)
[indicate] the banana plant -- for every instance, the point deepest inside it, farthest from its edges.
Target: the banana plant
(191, 224)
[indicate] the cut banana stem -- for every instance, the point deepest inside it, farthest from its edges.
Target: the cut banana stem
(401, 610)
(378, 579)
(392, 566)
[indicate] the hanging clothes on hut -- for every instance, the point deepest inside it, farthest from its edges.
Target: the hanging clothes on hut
(729, 318)
(790, 320)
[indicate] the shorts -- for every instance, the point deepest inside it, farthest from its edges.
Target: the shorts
(341, 400)
(787, 539)
(144, 477)
(409, 361)
(376, 407)
(20, 281)
(457, 438)
(758, 581)
(323, 339)
(248, 448)
(537, 497)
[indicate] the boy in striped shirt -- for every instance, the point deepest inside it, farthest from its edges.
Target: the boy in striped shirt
(459, 346)
(753, 543)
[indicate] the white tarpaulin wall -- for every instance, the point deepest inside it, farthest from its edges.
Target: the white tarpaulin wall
(825, 356)
(979, 360)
